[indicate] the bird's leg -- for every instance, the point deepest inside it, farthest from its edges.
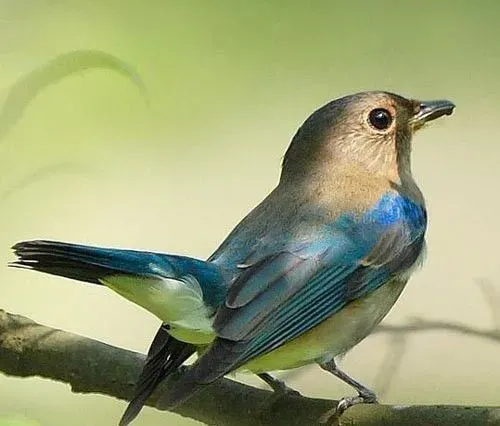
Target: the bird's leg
(280, 389)
(277, 385)
(365, 395)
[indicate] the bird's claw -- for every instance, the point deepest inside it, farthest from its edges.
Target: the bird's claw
(278, 386)
(345, 403)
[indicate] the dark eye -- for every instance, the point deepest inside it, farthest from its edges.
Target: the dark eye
(380, 118)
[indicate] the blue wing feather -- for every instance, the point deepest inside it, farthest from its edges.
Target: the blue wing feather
(282, 296)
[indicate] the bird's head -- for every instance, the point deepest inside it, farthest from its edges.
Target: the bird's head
(369, 132)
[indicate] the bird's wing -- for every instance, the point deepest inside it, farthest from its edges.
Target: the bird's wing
(289, 293)
(285, 294)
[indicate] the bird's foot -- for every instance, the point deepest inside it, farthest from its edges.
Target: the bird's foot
(281, 389)
(279, 392)
(366, 397)
(278, 386)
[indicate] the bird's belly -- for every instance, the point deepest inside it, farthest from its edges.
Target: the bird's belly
(335, 335)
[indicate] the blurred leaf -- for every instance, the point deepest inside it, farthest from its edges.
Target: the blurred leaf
(21, 93)
(46, 173)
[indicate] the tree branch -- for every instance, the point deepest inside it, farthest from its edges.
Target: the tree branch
(89, 366)
(418, 325)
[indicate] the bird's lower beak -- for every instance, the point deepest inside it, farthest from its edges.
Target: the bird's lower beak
(430, 110)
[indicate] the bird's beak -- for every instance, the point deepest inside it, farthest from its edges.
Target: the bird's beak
(430, 110)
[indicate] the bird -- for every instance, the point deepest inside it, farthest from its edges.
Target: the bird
(302, 279)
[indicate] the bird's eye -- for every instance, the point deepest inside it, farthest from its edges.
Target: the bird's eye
(380, 118)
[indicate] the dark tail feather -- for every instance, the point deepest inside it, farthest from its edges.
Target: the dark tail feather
(66, 260)
(220, 359)
(165, 356)
(83, 263)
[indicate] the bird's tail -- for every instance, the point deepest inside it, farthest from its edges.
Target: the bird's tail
(165, 356)
(171, 287)
(181, 291)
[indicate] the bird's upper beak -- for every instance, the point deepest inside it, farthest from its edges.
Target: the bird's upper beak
(430, 110)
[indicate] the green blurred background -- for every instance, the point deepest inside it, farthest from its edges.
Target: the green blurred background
(229, 83)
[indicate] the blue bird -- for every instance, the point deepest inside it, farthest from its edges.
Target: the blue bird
(302, 278)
